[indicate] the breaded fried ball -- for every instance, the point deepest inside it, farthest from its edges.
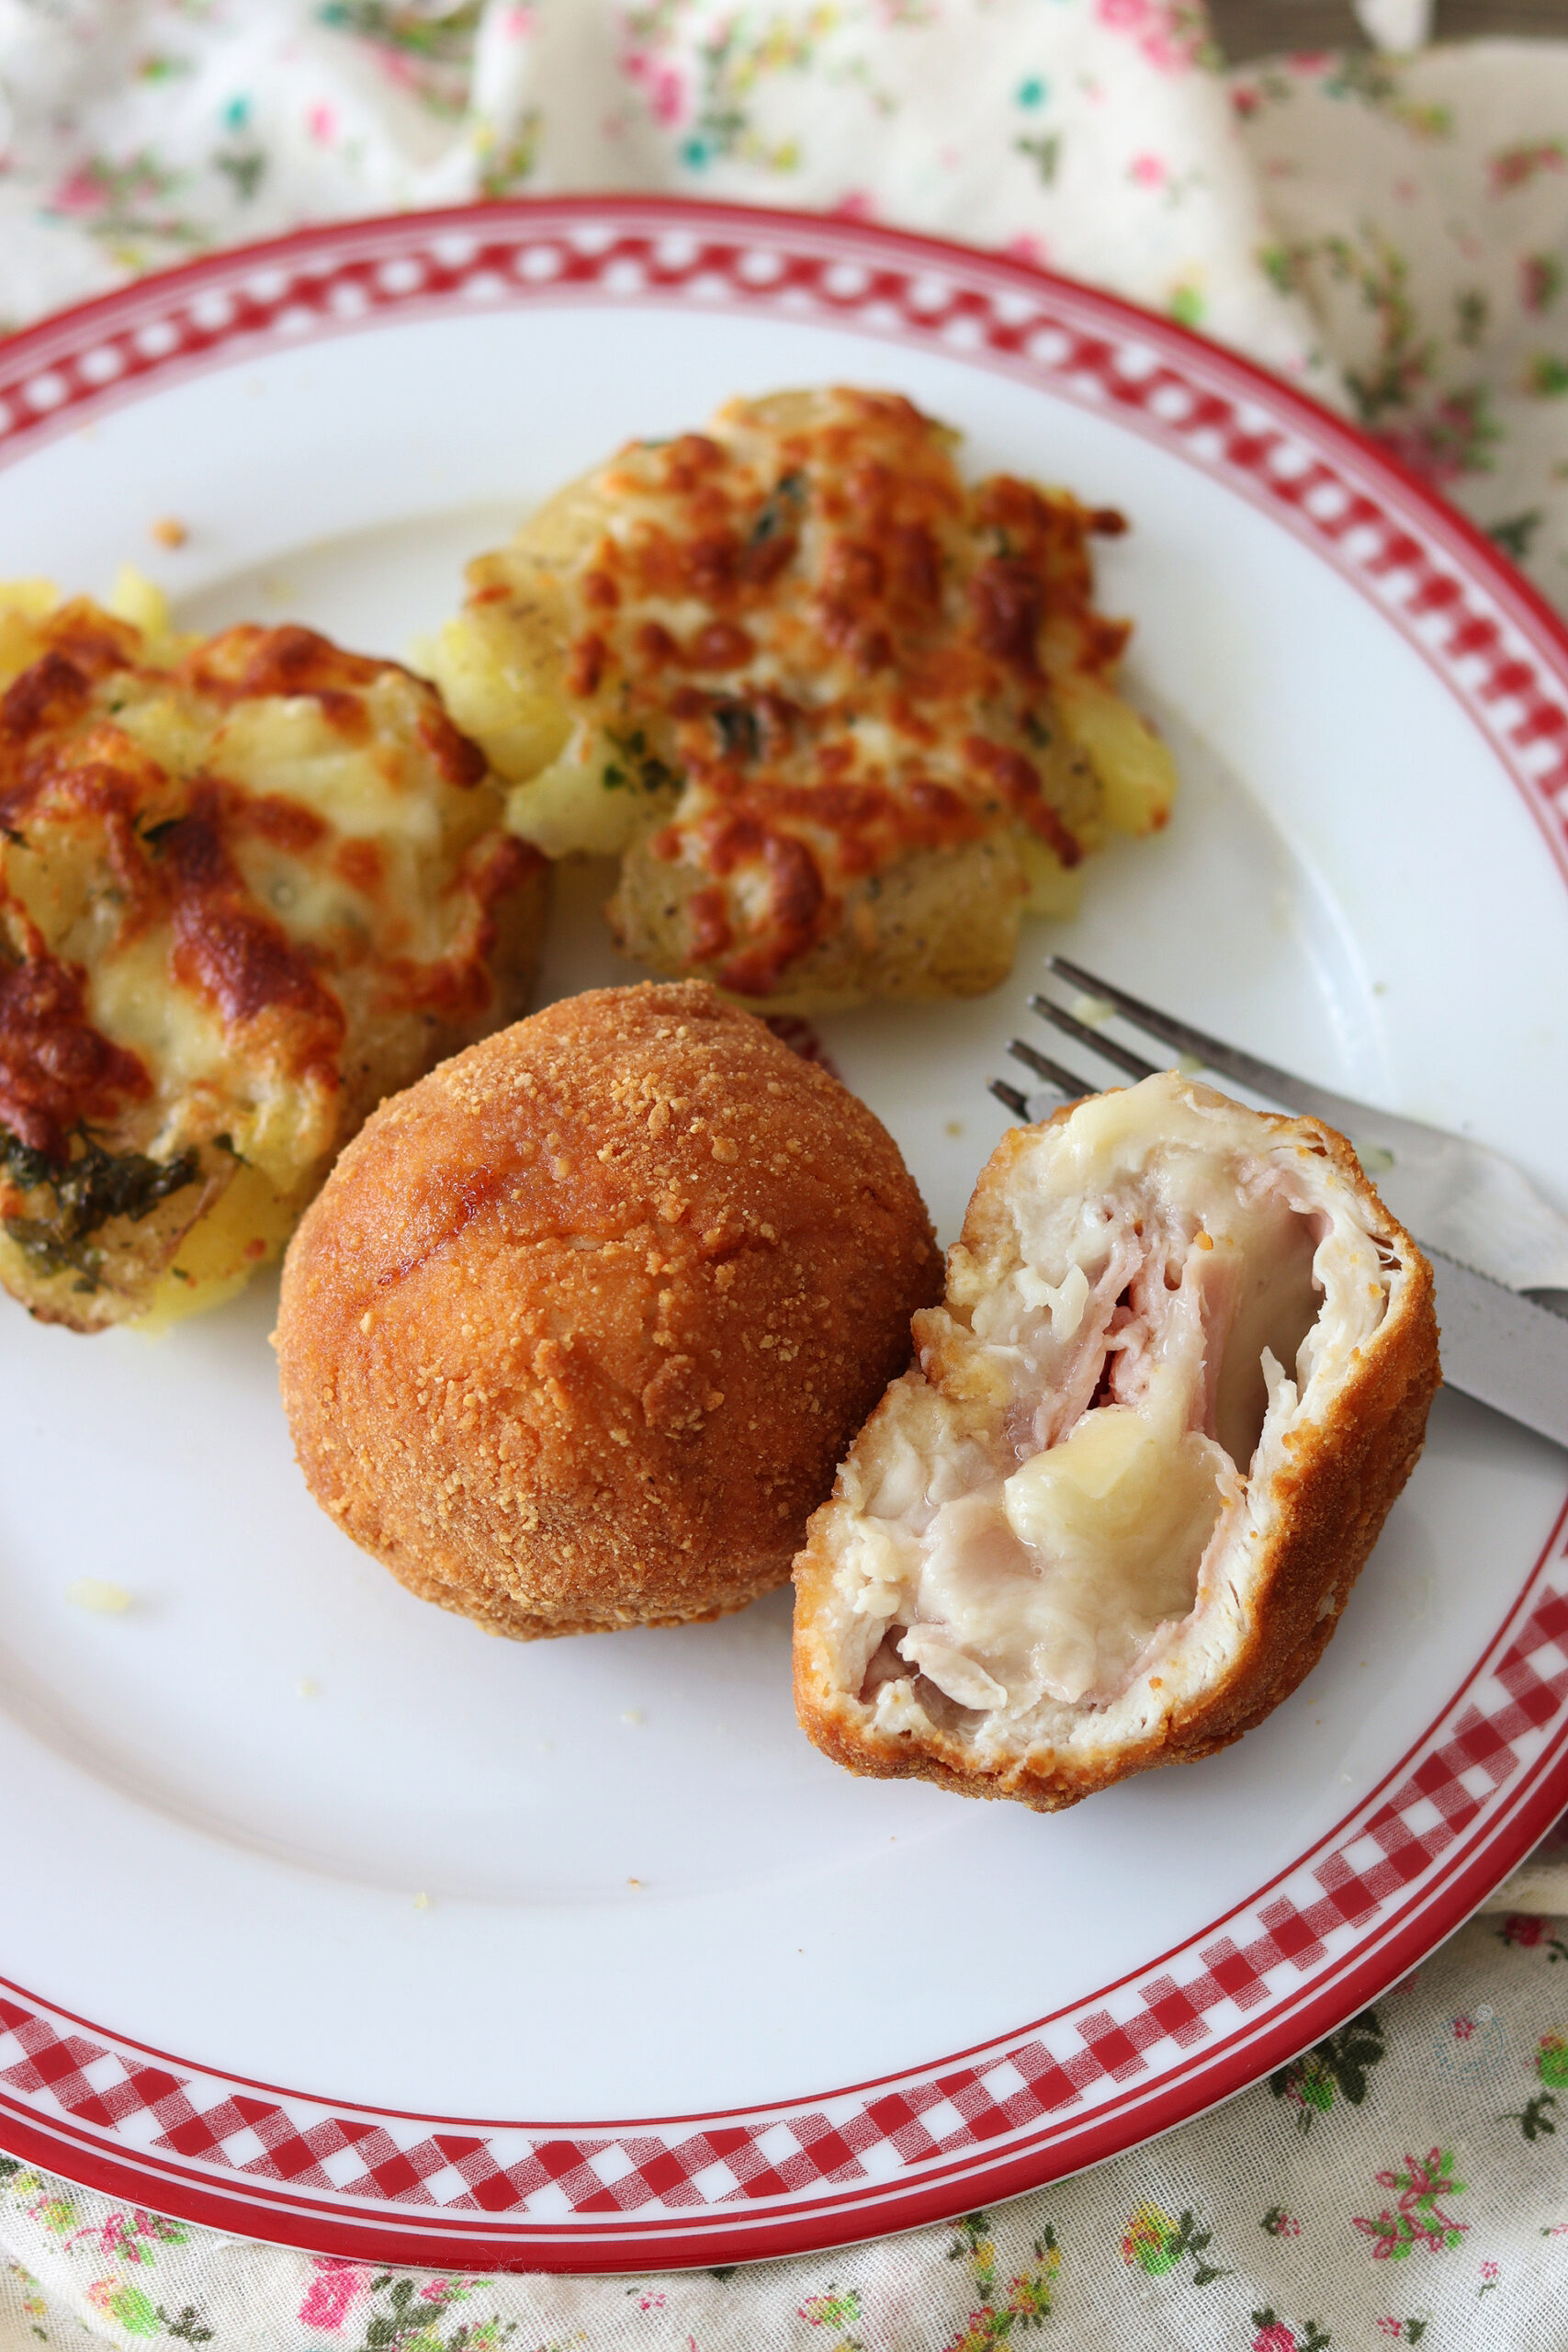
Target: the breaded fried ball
(581, 1324)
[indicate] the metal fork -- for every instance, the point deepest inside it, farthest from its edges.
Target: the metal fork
(1454, 1194)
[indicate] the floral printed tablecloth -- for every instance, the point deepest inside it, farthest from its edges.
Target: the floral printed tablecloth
(1392, 232)
(1403, 2183)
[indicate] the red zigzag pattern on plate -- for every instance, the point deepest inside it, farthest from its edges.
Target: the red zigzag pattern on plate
(874, 2134)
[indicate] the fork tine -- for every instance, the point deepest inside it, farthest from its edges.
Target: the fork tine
(1134, 1064)
(1248, 1069)
(1015, 1098)
(1054, 1074)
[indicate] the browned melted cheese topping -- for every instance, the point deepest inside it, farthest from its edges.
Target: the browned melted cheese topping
(842, 651)
(257, 905)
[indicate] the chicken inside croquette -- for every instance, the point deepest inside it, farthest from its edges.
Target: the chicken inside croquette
(580, 1326)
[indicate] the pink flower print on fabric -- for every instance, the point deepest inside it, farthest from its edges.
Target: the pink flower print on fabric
(1148, 171)
(1419, 2217)
(1274, 2335)
(1172, 34)
(321, 121)
(1513, 167)
(446, 2290)
(80, 192)
(125, 2237)
(660, 83)
(332, 2293)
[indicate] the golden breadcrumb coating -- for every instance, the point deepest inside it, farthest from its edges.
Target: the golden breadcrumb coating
(1110, 1521)
(842, 715)
(578, 1326)
(248, 885)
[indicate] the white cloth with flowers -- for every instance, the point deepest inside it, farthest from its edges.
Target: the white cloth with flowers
(1392, 233)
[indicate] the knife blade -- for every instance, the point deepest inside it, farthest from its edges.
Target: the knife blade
(1500, 1348)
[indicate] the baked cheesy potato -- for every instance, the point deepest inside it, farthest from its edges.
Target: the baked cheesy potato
(842, 717)
(248, 885)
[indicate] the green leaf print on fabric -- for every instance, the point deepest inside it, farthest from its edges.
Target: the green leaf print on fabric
(836, 2312)
(1540, 282)
(1337, 2066)
(1551, 2060)
(1513, 535)
(426, 52)
(1472, 311)
(1027, 2300)
(1185, 302)
(123, 207)
(1357, 75)
(1534, 2119)
(1047, 154)
(446, 35)
(412, 2318)
(188, 2325)
(1546, 374)
(1362, 74)
(1418, 2218)
(1156, 2244)
(506, 164)
(34, 2308)
(127, 2238)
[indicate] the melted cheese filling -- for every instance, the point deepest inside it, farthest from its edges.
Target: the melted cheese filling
(1165, 1305)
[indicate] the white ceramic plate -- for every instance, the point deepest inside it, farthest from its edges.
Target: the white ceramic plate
(328, 1919)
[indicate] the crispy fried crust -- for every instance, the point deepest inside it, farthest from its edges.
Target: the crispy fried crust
(579, 1326)
(1341, 1478)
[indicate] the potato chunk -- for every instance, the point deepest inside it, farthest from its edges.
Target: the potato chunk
(842, 717)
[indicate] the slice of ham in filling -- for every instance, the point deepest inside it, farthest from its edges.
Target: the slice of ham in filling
(1112, 1367)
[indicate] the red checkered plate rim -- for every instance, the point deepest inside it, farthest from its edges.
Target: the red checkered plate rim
(1328, 1933)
